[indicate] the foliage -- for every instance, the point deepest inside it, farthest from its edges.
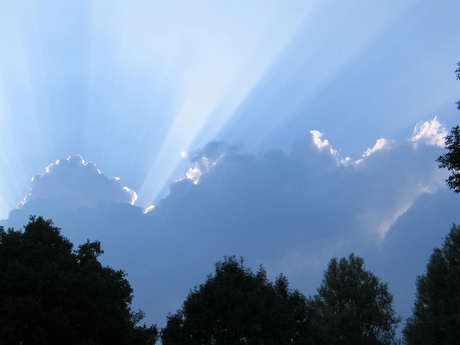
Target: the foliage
(457, 74)
(436, 318)
(51, 294)
(451, 159)
(237, 306)
(352, 306)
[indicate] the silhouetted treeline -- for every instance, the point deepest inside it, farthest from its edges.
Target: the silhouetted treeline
(52, 294)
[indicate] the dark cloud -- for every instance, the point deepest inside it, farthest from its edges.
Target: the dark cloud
(291, 211)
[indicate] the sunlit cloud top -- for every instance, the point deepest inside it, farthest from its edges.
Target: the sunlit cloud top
(74, 183)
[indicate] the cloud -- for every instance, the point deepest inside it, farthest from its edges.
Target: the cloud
(205, 159)
(76, 183)
(291, 211)
(322, 144)
(381, 144)
(150, 208)
(368, 197)
(430, 133)
(294, 211)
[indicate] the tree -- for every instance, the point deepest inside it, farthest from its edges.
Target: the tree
(237, 306)
(352, 306)
(451, 159)
(457, 74)
(51, 294)
(436, 318)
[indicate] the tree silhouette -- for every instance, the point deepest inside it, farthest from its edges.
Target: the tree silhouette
(451, 159)
(436, 318)
(50, 294)
(237, 306)
(352, 306)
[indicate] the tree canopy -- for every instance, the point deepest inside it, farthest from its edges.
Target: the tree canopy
(237, 306)
(352, 306)
(436, 318)
(52, 294)
(451, 159)
(457, 74)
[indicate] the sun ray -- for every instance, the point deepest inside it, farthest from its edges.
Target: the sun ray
(217, 81)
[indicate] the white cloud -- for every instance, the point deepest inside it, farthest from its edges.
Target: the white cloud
(322, 144)
(205, 159)
(332, 155)
(202, 165)
(381, 144)
(194, 174)
(148, 209)
(76, 183)
(429, 132)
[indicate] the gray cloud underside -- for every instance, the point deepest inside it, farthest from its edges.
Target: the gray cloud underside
(292, 212)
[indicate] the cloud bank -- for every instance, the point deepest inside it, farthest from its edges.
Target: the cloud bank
(290, 211)
(298, 190)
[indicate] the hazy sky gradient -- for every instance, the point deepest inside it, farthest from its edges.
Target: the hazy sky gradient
(286, 132)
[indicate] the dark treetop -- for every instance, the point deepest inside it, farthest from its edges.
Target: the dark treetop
(51, 294)
(237, 306)
(436, 318)
(353, 306)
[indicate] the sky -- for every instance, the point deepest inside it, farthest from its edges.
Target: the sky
(286, 132)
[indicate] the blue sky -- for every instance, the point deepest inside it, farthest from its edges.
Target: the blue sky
(287, 132)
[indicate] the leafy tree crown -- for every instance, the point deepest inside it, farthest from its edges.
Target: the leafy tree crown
(436, 313)
(353, 306)
(52, 294)
(451, 159)
(238, 306)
